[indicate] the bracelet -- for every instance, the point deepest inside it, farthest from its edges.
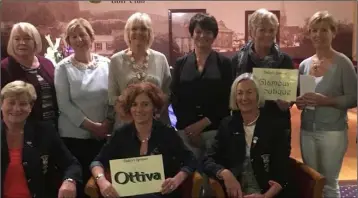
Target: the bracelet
(99, 176)
(70, 180)
(218, 174)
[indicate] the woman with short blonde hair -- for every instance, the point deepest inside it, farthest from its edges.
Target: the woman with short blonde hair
(139, 18)
(260, 17)
(251, 150)
(81, 82)
(262, 51)
(323, 16)
(78, 22)
(324, 127)
(138, 62)
(18, 88)
(25, 63)
(31, 149)
(233, 93)
(32, 32)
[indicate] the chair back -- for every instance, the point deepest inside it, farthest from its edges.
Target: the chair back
(309, 183)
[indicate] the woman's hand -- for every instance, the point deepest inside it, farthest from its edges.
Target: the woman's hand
(170, 184)
(106, 188)
(101, 130)
(233, 187)
(194, 130)
(315, 99)
(283, 105)
(67, 190)
(256, 195)
(300, 103)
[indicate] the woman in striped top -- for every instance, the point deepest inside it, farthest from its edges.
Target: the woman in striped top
(24, 64)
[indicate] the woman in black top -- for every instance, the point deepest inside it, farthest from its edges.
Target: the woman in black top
(263, 52)
(201, 86)
(251, 150)
(145, 136)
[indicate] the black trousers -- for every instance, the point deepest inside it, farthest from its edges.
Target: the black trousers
(85, 150)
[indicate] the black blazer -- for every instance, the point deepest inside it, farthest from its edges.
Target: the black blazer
(43, 149)
(205, 95)
(229, 149)
(164, 140)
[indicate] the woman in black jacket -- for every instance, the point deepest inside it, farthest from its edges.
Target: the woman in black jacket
(201, 87)
(252, 148)
(30, 150)
(145, 136)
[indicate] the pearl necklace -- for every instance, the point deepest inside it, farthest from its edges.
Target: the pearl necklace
(140, 70)
(254, 121)
(82, 66)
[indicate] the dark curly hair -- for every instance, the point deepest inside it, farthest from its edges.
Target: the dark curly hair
(125, 101)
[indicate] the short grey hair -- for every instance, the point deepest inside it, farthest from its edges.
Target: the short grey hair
(260, 17)
(143, 18)
(28, 28)
(19, 87)
(233, 93)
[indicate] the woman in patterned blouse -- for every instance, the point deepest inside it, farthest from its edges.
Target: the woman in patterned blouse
(81, 82)
(138, 63)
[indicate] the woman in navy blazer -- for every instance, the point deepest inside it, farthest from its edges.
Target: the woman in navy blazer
(252, 148)
(30, 149)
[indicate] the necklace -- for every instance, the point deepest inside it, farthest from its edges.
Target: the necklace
(139, 69)
(254, 121)
(82, 66)
(316, 64)
(144, 140)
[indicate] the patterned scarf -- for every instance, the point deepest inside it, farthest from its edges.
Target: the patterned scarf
(273, 60)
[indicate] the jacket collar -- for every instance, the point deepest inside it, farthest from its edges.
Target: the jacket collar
(29, 133)
(155, 125)
(238, 121)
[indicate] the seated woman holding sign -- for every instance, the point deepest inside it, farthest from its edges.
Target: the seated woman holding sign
(145, 136)
(251, 150)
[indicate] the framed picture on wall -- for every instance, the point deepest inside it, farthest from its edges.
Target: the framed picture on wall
(247, 16)
(180, 41)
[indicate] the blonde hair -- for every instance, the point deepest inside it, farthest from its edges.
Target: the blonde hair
(30, 30)
(322, 16)
(233, 93)
(142, 18)
(17, 88)
(78, 22)
(260, 17)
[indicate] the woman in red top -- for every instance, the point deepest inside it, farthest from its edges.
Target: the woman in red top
(29, 148)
